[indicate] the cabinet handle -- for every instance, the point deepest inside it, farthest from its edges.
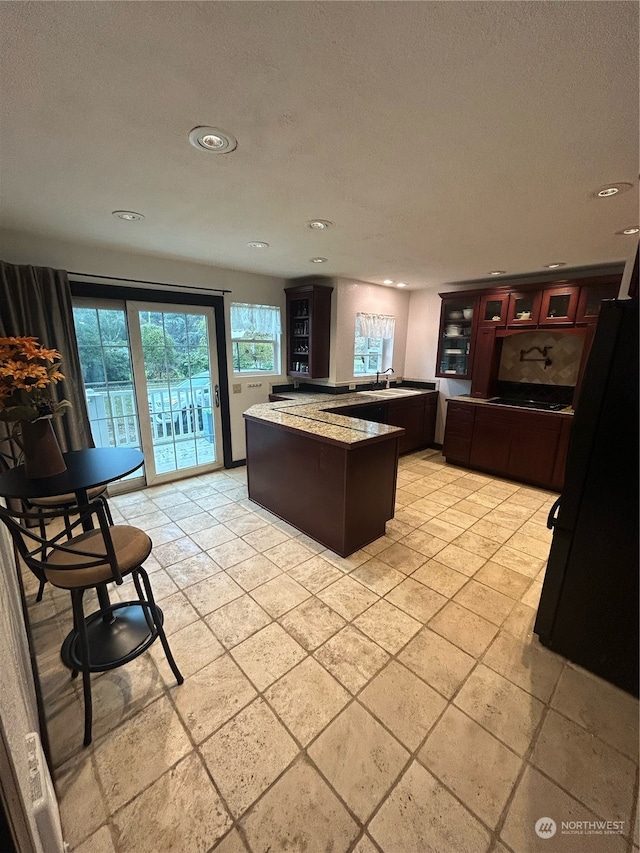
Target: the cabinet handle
(552, 518)
(217, 396)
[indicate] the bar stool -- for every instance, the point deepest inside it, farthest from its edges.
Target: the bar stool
(82, 561)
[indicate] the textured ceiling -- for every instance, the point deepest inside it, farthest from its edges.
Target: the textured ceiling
(443, 139)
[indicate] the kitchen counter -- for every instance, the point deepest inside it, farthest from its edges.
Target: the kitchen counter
(466, 398)
(331, 475)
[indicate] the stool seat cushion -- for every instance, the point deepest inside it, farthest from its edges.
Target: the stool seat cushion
(132, 547)
(69, 498)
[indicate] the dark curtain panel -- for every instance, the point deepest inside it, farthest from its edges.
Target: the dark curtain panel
(37, 301)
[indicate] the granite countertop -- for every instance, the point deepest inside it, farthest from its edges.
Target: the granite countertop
(313, 414)
(465, 398)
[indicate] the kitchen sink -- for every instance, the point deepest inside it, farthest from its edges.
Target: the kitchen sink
(391, 392)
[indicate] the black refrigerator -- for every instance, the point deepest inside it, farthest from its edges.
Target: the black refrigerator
(589, 606)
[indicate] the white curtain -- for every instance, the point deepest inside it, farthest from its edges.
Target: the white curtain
(375, 326)
(248, 321)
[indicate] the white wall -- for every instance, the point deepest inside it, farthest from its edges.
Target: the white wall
(20, 248)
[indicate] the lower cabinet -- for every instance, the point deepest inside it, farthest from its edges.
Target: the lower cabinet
(416, 415)
(523, 445)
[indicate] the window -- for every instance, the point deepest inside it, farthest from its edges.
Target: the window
(373, 348)
(255, 338)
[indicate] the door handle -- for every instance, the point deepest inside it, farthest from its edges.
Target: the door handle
(552, 518)
(217, 396)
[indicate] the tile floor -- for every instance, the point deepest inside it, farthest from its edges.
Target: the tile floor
(393, 701)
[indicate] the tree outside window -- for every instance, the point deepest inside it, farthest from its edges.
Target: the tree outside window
(255, 338)
(373, 344)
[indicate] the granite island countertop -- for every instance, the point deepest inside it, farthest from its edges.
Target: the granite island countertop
(313, 415)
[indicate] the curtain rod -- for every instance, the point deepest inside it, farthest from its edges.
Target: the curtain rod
(156, 283)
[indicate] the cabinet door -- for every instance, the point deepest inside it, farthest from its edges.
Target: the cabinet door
(532, 453)
(457, 326)
(458, 432)
(491, 441)
(524, 308)
(590, 301)
(408, 414)
(308, 328)
(558, 306)
(429, 424)
(493, 310)
(486, 363)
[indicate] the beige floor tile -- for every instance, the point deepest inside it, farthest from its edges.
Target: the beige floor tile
(254, 572)
(346, 564)
(193, 647)
(537, 531)
(499, 517)
(518, 561)
(424, 543)
(212, 696)
(214, 535)
(351, 657)
(491, 530)
(228, 511)
(532, 596)
(99, 842)
(437, 661)
(306, 699)
(157, 739)
(288, 554)
(194, 523)
(213, 592)
(402, 558)
(366, 845)
(265, 538)
(486, 602)
(454, 515)
(231, 843)
(442, 529)
(169, 497)
(395, 530)
(279, 595)
(312, 623)
(527, 664)
(347, 597)
(213, 500)
(247, 754)
(531, 545)
(520, 622)
(80, 799)
(597, 775)
(151, 520)
(479, 769)
(416, 599)
(300, 813)
(359, 759)
(174, 551)
(382, 542)
(502, 579)
(245, 524)
(460, 560)
(476, 544)
(538, 797)
(484, 500)
(186, 509)
(387, 625)
(377, 576)
(601, 708)
(411, 516)
(236, 621)
(421, 815)
(178, 612)
(441, 578)
(467, 630)
(168, 815)
(192, 570)
(404, 703)
(315, 574)
(267, 655)
(505, 710)
(231, 553)
(471, 507)
(308, 542)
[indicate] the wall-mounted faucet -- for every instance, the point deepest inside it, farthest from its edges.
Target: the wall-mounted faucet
(544, 352)
(388, 379)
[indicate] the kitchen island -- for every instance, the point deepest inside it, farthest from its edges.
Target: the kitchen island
(331, 475)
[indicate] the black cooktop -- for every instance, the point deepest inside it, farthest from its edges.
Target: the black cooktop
(529, 404)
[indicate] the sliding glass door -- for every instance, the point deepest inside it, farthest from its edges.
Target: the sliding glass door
(151, 380)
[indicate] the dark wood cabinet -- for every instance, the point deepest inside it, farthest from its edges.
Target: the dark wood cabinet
(415, 414)
(558, 306)
(524, 308)
(493, 310)
(591, 298)
(457, 330)
(487, 363)
(429, 422)
(523, 445)
(308, 330)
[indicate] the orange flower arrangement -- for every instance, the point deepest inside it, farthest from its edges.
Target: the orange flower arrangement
(26, 370)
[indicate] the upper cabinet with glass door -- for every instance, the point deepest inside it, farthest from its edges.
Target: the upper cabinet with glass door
(493, 310)
(558, 305)
(457, 326)
(524, 308)
(591, 298)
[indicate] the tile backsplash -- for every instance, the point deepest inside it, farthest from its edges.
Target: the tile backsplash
(563, 350)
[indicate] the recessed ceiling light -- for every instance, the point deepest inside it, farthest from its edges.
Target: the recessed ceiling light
(319, 260)
(388, 281)
(633, 230)
(319, 224)
(127, 215)
(612, 189)
(401, 284)
(212, 139)
(257, 244)
(555, 265)
(497, 272)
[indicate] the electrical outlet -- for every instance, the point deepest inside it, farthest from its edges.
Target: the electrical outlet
(352, 386)
(237, 388)
(296, 383)
(254, 384)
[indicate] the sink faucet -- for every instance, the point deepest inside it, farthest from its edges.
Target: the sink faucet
(388, 379)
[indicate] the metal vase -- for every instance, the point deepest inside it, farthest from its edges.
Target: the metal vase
(42, 455)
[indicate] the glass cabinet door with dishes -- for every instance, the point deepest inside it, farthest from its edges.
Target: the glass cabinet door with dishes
(455, 345)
